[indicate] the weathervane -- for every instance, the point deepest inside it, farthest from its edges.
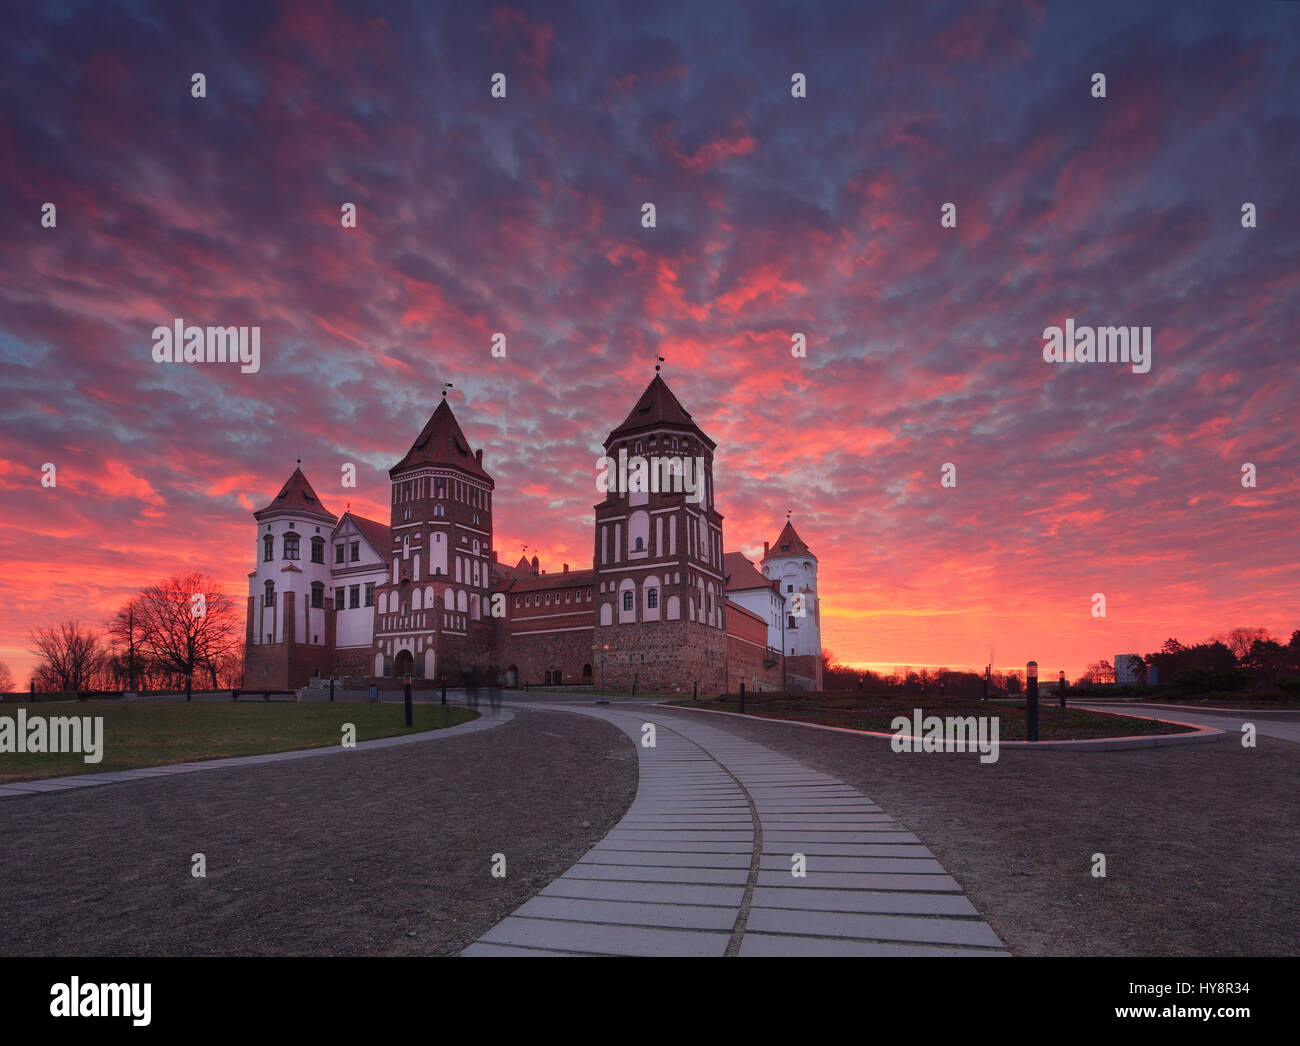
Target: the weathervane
(445, 386)
(661, 360)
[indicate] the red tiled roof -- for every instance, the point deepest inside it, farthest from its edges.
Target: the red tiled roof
(656, 408)
(787, 545)
(297, 496)
(441, 442)
(741, 574)
(378, 534)
(561, 580)
(736, 608)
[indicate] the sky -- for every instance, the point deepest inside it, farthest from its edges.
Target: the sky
(775, 215)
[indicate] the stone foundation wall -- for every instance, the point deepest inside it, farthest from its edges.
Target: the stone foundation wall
(536, 655)
(664, 656)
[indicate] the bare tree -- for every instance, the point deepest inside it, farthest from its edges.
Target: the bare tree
(6, 680)
(70, 657)
(124, 631)
(1240, 640)
(187, 625)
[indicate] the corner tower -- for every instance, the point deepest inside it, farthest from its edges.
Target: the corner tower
(432, 611)
(660, 609)
(792, 564)
(289, 636)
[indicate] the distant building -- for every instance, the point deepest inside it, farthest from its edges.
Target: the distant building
(1130, 669)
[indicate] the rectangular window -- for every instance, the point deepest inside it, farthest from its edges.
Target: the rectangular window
(338, 599)
(627, 600)
(356, 552)
(652, 598)
(354, 597)
(318, 596)
(370, 593)
(338, 553)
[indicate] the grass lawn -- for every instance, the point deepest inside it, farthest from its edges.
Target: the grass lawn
(876, 712)
(157, 733)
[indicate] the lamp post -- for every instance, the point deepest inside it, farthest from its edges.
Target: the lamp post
(602, 668)
(407, 688)
(1031, 699)
(1060, 688)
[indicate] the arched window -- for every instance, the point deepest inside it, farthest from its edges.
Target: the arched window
(437, 512)
(268, 594)
(318, 549)
(291, 546)
(268, 548)
(318, 595)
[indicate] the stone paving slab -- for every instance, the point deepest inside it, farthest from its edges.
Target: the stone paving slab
(676, 845)
(630, 913)
(811, 850)
(769, 945)
(820, 863)
(605, 939)
(658, 874)
(861, 881)
(873, 927)
(507, 950)
(715, 820)
(893, 903)
(649, 893)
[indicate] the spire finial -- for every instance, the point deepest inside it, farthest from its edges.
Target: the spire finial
(445, 386)
(300, 461)
(661, 360)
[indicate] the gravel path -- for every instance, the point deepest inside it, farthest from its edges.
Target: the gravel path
(389, 855)
(1201, 841)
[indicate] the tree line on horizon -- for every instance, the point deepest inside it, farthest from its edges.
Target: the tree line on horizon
(181, 632)
(1244, 658)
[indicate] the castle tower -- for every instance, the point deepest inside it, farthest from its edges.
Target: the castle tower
(791, 562)
(432, 612)
(660, 610)
(289, 636)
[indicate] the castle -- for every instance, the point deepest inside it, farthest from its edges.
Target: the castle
(662, 607)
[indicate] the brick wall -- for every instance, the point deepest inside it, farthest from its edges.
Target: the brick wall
(662, 656)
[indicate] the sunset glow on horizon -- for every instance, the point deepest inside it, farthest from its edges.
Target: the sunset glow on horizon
(775, 216)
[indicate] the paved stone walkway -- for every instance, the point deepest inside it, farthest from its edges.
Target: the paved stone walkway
(62, 784)
(701, 865)
(1283, 724)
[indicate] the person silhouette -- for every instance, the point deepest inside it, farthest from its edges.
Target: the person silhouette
(471, 688)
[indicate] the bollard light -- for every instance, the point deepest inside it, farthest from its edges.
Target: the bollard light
(1031, 700)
